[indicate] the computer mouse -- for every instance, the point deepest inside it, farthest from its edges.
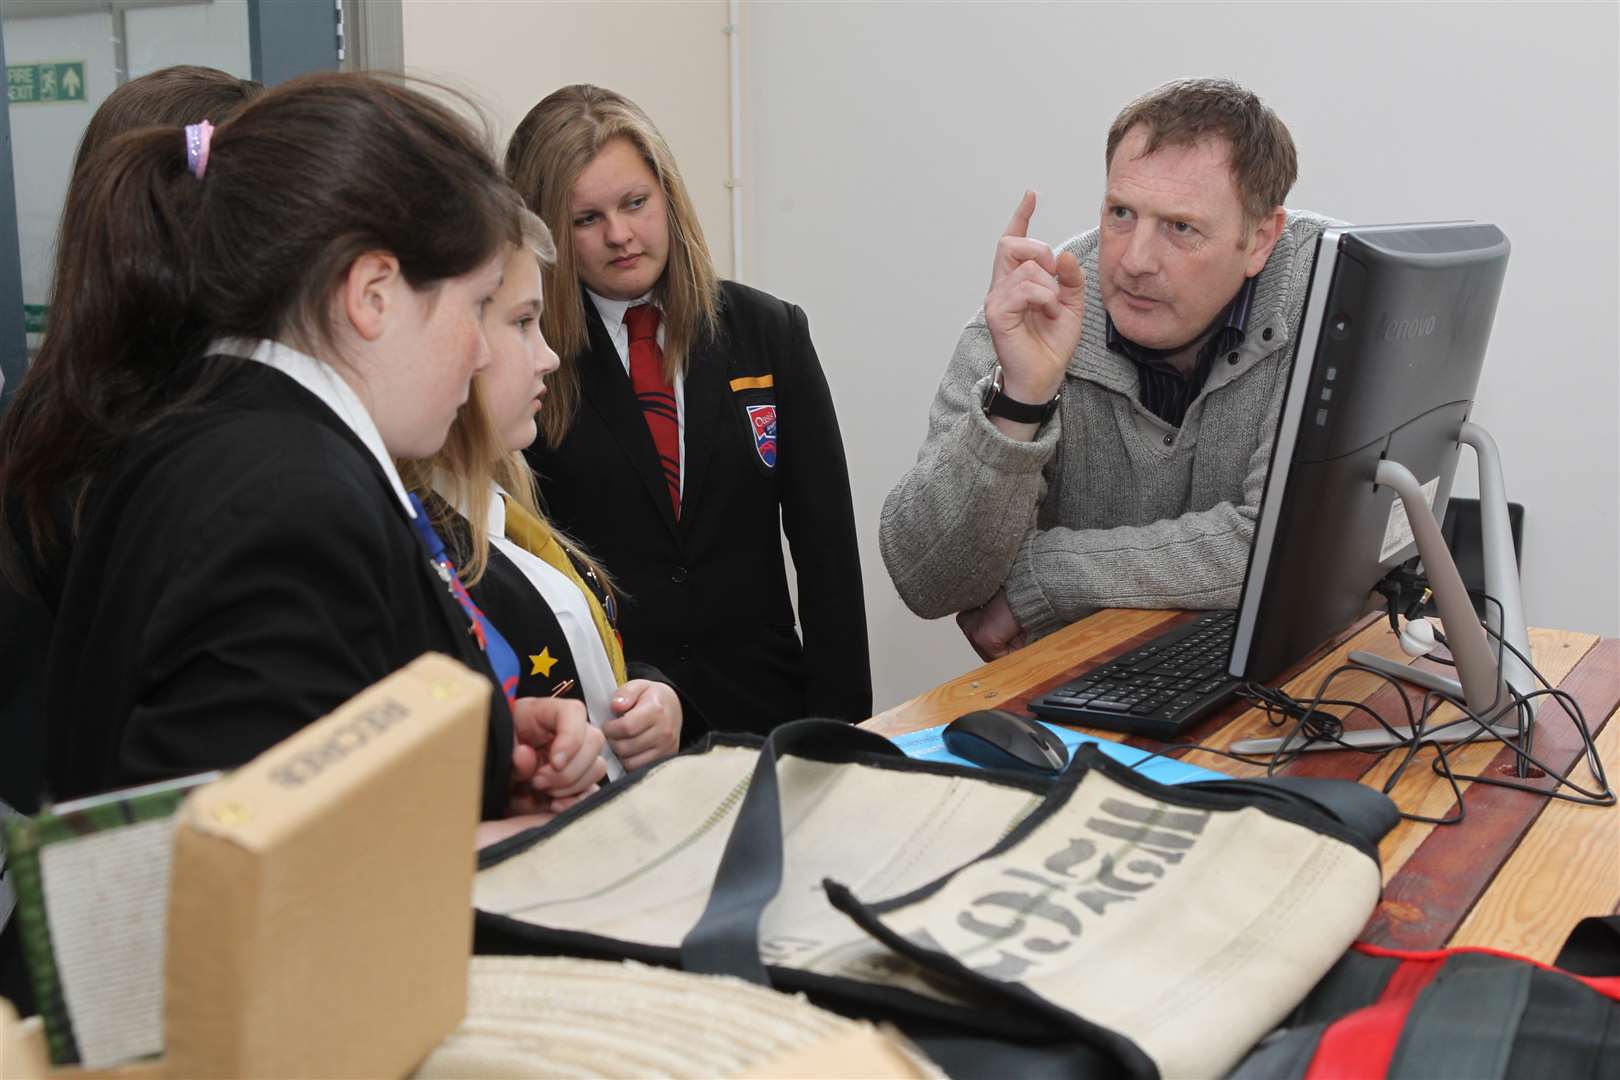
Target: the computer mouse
(1002, 740)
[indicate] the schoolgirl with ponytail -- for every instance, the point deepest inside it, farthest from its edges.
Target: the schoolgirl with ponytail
(261, 316)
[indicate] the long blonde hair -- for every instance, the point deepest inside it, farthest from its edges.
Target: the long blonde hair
(553, 144)
(473, 454)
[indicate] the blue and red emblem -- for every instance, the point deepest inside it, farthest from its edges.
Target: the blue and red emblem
(763, 419)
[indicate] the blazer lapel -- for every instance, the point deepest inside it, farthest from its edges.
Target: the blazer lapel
(606, 389)
(707, 397)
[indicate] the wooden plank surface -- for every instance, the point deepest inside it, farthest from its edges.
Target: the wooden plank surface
(1047, 661)
(1566, 867)
(1421, 791)
(1442, 882)
(1440, 879)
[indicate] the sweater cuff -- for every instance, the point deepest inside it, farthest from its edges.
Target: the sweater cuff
(998, 453)
(1025, 596)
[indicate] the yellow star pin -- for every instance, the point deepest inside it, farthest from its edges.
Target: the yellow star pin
(543, 663)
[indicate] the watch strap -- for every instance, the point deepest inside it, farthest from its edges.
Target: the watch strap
(997, 403)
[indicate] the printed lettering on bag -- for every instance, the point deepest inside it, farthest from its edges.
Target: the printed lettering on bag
(1029, 916)
(762, 418)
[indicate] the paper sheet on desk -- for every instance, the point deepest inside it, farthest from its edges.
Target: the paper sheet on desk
(926, 744)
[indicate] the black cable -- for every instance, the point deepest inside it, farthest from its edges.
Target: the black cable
(1314, 725)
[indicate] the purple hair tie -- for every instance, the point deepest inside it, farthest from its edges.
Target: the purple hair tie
(198, 136)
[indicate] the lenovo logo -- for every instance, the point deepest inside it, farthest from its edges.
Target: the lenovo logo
(1408, 329)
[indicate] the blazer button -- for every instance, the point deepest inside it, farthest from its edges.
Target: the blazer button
(1169, 440)
(679, 575)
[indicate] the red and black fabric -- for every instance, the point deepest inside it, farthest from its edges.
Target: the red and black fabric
(1469, 1014)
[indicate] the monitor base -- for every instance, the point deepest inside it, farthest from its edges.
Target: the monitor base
(1378, 738)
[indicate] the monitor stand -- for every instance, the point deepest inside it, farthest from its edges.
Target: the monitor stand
(1478, 682)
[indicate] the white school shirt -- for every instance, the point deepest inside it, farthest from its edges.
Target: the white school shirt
(326, 384)
(573, 612)
(612, 312)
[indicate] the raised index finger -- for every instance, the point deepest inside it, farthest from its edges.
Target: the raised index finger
(1019, 225)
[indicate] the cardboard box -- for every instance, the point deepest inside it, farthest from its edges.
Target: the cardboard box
(320, 906)
(320, 917)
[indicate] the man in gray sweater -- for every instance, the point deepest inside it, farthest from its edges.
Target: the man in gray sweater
(1102, 433)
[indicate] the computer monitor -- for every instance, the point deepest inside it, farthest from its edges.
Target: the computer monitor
(1389, 354)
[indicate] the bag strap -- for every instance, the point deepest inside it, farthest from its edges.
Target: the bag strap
(725, 939)
(1592, 948)
(1365, 811)
(1463, 1025)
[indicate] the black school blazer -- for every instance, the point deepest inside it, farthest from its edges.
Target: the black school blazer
(706, 599)
(545, 661)
(239, 572)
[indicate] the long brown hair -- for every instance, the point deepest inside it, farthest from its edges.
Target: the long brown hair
(182, 94)
(300, 183)
(553, 144)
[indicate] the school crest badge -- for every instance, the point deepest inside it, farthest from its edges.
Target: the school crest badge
(763, 419)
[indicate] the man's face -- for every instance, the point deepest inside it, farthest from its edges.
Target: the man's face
(1174, 247)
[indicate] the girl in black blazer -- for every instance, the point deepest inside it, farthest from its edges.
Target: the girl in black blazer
(689, 426)
(549, 599)
(261, 316)
(171, 96)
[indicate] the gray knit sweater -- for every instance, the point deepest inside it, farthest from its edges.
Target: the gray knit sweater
(1109, 506)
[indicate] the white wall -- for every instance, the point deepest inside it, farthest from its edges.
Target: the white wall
(888, 144)
(214, 34)
(44, 137)
(669, 58)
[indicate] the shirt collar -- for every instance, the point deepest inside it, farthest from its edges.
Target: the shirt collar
(1230, 328)
(612, 311)
(334, 392)
(496, 522)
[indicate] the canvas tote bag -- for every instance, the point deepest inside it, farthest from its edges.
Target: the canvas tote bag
(1095, 924)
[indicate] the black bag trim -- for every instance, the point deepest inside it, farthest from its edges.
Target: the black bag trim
(1131, 1058)
(1212, 795)
(874, 755)
(725, 939)
(501, 935)
(1363, 810)
(1592, 948)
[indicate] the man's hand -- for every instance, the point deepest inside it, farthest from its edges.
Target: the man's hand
(556, 755)
(646, 724)
(1035, 310)
(993, 629)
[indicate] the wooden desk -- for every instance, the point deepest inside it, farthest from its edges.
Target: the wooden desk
(1519, 871)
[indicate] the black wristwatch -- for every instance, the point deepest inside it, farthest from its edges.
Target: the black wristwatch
(997, 403)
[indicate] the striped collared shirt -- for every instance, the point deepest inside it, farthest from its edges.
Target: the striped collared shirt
(1166, 392)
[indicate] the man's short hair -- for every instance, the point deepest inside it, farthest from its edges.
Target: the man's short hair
(1188, 111)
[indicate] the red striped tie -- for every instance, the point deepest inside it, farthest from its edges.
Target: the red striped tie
(655, 393)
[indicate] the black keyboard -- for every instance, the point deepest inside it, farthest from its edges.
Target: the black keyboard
(1158, 689)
